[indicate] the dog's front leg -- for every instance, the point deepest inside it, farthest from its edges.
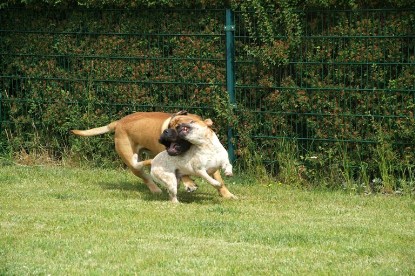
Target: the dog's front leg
(205, 175)
(222, 189)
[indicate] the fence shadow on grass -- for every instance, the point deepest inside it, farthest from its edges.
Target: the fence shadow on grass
(123, 186)
(198, 196)
(129, 190)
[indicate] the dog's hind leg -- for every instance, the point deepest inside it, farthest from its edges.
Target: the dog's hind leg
(189, 185)
(167, 179)
(125, 151)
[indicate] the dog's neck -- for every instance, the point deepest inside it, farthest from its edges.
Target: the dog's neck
(212, 143)
(165, 124)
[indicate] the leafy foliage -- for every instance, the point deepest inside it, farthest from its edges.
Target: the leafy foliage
(335, 78)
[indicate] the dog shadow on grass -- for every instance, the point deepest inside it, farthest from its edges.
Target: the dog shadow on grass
(140, 191)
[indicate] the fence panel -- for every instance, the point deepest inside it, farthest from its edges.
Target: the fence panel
(347, 84)
(79, 68)
(350, 81)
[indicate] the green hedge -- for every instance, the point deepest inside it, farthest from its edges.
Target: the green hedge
(69, 69)
(334, 87)
(341, 84)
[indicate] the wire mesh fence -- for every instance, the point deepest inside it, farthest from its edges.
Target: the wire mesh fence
(348, 80)
(76, 68)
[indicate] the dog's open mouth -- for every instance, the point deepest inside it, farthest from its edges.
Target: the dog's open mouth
(174, 149)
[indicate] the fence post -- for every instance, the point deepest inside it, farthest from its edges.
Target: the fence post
(1, 104)
(230, 75)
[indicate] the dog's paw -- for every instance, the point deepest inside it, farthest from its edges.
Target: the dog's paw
(215, 183)
(191, 189)
(228, 171)
(230, 196)
(155, 190)
(174, 200)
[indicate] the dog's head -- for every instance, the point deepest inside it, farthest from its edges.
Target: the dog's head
(182, 117)
(196, 132)
(174, 144)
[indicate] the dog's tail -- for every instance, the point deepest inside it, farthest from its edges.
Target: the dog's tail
(96, 131)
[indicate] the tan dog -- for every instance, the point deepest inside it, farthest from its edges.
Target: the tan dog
(205, 157)
(141, 131)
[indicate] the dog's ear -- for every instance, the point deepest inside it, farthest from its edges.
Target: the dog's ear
(182, 112)
(209, 122)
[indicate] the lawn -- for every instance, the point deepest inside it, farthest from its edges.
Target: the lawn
(66, 221)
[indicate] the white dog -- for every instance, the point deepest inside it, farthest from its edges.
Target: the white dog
(205, 156)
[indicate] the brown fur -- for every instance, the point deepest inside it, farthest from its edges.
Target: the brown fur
(141, 131)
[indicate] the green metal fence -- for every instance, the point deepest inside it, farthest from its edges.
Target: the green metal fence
(382, 55)
(349, 79)
(350, 83)
(75, 68)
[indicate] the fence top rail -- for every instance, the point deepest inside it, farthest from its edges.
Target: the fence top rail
(116, 81)
(221, 34)
(244, 61)
(331, 10)
(141, 10)
(328, 89)
(112, 57)
(109, 33)
(199, 9)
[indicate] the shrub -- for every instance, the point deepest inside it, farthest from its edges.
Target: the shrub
(336, 86)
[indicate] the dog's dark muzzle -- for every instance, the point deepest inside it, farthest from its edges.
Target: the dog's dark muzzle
(175, 145)
(170, 134)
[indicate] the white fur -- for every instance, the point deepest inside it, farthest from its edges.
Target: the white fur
(204, 157)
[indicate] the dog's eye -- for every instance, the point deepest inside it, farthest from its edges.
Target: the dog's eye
(192, 122)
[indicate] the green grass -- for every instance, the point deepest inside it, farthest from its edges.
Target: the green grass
(65, 221)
